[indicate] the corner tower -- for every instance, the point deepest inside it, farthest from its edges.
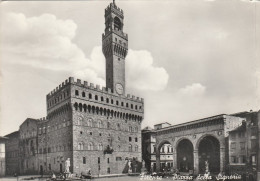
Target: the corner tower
(115, 47)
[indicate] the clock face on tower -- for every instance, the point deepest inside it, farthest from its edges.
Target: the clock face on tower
(119, 88)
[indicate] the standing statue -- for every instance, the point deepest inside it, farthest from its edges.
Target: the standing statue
(130, 166)
(143, 164)
(67, 165)
(206, 166)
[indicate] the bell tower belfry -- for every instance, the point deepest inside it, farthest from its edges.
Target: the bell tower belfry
(115, 47)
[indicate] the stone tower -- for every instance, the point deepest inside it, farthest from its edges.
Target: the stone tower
(115, 46)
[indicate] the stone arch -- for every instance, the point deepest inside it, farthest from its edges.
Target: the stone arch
(209, 148)
(97, 110)
(76, 106)
(93, 109)
(222, 144)
(80, 107)
(85, 107)
(159, 166)
(184, 149)
(89, 108)
(101, 111)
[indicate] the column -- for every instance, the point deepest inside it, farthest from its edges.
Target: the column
(175, 160)
(222, 159)
(158, 166)
(196, 161)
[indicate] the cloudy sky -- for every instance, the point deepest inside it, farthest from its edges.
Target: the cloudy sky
(188, 59)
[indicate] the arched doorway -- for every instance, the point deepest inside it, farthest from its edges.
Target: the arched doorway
(165, 151)
(209, 151)
(185, 155)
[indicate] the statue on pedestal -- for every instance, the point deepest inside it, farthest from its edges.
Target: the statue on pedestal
(143, 169)
(67, 165)
(130, 166)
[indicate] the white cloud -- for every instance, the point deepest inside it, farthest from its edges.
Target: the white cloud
(142, 74)
(195, 89)
(47, 42)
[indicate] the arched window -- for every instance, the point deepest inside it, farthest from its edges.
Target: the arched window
(83, 94)
(100, 146)
(96, 97)
(102, 99)
(76, 106)
(100, 124)
(112, 101)
(130, 148)
(117, 23)
(122, 103)
(107, 100)
(117, 103)
(76, 92)
(90, 96)
(90, 146)
(90, 123)
(80, 107)
(80, 146)
(127, 104)
(131, 106)
(136, 148)
(136, 129)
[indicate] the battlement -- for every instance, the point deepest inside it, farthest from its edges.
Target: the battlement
(91, 86)
(119, 33)
(43, 119)
(113, 7)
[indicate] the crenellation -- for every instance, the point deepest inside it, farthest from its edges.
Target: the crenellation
(78, 82)
(98, 87)
(86, 84)
(71, 79)
(91, 85)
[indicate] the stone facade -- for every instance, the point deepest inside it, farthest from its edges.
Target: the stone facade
(12, 153)
(149, 150)
(98, 128)
(2, 156)
(244, 146)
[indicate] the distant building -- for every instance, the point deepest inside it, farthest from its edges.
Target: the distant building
(12, 153)
(2, 156)
(244, 146)
(97, 128)
(149, 149)
(161, 125)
